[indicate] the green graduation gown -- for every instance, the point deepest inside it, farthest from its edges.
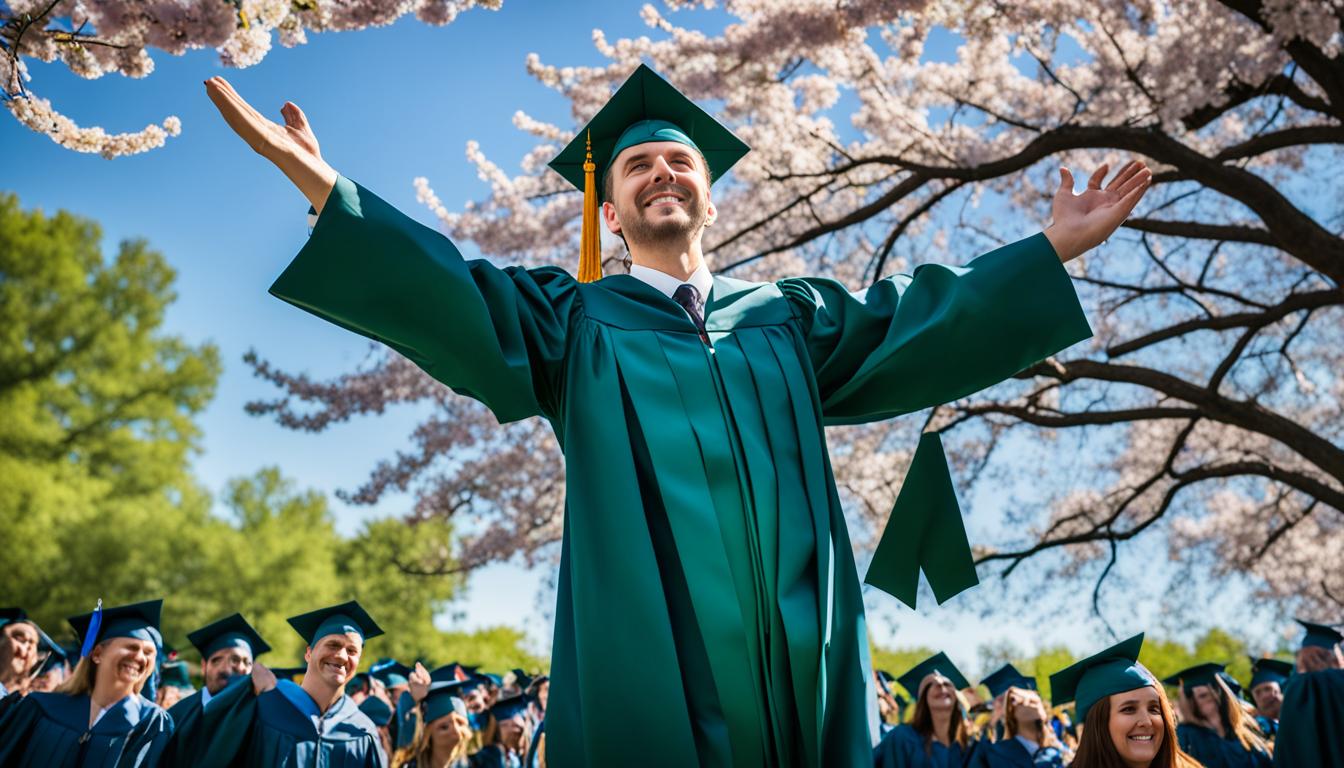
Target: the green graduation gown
(1311, 720)
(704, 543)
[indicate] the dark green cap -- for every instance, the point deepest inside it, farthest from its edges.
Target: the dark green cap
(335, 620)
(377, 710)
(390, 672)
(938, 663)
(445, 698)
(137, 620)
(1269, 671)
(644, 109)
(229, 632)
(1192, 677)
(1114, 670)
(1320, 635)
(1005, 677)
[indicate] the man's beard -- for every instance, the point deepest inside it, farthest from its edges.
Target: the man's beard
(638, 227)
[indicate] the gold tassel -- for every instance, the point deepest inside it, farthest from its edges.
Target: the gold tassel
(590, 244)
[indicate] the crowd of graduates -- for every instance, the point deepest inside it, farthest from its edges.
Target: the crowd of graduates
(124, 699)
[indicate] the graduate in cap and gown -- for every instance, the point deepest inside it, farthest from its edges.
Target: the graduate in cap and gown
(1268, 676)
(228, 649)
(24, 651)
(441, 737)
(1215, 729)
(395, 679)
(272, 722)
(174, 684)
(998, 682)
(698, 400)
(55, 669)
(890, 704)
(938, 735)
(1311, 720)
(1126, 717)
(98, 717)
(507, 735)
(1028, 738)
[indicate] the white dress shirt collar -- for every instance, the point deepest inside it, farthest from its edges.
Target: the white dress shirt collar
(667, 284)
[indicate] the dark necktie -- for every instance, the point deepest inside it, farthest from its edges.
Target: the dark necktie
(689, 298)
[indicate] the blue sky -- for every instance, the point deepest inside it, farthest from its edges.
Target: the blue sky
(388, 105)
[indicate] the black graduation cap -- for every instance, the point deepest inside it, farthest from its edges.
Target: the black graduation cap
(1320, 635)
(340, 619)
(390, 672)
(1269, 671)
(1193, 677)
(938, 663)
(175, 675)
(229, 632)
(521, 678)
(292, 674)
(1005, 677)
(509, 706)
(137, 620)
(358, 682)
(13, 614)
(449, 672)
(443, 698)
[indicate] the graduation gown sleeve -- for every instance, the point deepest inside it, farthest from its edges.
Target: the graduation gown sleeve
(50, 730)
(911, 342)
(1311, 721)
(497, 335)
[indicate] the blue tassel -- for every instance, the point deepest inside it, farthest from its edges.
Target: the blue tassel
(91, 634)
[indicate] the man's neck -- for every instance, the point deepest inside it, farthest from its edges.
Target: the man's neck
(679, 261)
(323, 695)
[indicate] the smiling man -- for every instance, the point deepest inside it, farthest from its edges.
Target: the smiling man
(312, 724)
(20, 649)
(702, 516)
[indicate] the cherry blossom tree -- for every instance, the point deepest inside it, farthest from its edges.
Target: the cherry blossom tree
(1206, 410)
(99, 37)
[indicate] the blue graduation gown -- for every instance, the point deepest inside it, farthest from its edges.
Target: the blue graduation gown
(277, 730)
(1213, 752)
(51, 730)
(1011, 753)
(903, 747)
(1311, 721)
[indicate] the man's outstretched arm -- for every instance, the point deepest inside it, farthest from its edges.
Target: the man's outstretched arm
(292, 147)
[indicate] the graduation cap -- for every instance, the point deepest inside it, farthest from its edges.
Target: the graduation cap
(1005, 677)
(346, 618)
(1114, 670)
(646, 108)
(14, 614)
(1269, 671)
(137, 620)
(390, 672)
(377, 710)
(175, 675)
(510, 706)
(924, 532)
(57, 655)
(1320, 635)
(1193, 677)
(358, 682)
(450, 672)
(445, 698)
(937, 663)
(521, 678)
(229, 632)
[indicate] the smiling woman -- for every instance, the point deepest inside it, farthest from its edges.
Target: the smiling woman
(97, 717)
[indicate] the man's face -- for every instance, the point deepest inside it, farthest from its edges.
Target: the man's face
(334, 658)
(18, 648)
(1268, 698)
(224, 664)
(475, 699)
(659, 194)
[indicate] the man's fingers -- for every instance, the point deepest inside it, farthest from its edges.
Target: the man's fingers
(1129, 171)
(1138, 181)
(1097, 176)
(294, 116)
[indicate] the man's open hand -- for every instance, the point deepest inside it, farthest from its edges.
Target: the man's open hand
(1082, 222)
(292, 147)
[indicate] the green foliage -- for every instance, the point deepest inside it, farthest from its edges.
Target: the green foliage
(97, 410)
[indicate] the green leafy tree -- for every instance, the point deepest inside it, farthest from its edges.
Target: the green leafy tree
(97, 409)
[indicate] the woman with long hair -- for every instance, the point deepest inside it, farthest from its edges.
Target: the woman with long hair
(1126, 718)
(939, 734)
(506, 736)
(1215, 729)
(442, 736)
(1028, 739)
(97, 718)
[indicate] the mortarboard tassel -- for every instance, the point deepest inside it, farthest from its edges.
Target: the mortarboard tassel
(590, 244)
(91, 634)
